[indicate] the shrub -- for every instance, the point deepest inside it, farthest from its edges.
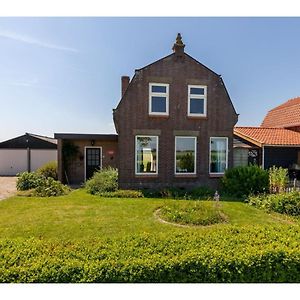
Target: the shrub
(48, 187)
(27, 181)
(283, 203)
(200, 192)
(278, 179)
(122, 194)
(194, 213)
(246, 180)
(231, 254)
(105, 180)
(48, 170)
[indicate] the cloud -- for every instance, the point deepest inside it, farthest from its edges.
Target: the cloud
(33, 41)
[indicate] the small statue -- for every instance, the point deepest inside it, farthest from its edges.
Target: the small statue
(216, 196)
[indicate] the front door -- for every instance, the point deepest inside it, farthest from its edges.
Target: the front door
(92, 161)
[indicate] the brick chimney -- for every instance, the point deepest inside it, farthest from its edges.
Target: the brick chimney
(178, 47)
(124, 84)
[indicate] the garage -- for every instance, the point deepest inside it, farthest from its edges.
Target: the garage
(27, 152)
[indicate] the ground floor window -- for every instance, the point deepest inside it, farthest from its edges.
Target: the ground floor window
(218, 155)
(185, 154)
(146, 153)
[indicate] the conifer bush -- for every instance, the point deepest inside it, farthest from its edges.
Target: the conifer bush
(245, 180)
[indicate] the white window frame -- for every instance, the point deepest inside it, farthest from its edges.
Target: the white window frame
(135, 161)
(195, 156)
(154, 94)
(195, 96)
(223, 138)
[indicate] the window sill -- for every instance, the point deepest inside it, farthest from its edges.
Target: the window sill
(186, 175)
(146, 175)
(158, 116)
(197, 117)
(216, 175)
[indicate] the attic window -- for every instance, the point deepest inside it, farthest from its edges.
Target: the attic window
(158, 99)
(197, 96)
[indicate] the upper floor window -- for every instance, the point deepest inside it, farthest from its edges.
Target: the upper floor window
(146, 154)
(159, 99)
(197, 96)
(218, 155)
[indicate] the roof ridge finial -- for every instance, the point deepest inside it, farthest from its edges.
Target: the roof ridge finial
(178, 47)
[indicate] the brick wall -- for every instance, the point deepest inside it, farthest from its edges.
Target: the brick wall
(132, 118)
(76, 172)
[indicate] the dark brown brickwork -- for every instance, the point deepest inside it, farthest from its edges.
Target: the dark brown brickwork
(131, 117)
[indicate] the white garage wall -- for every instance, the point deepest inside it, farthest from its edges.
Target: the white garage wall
(13, 161)
(39, 157)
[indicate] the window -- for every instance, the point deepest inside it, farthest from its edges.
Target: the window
(146, 150)
(218, 155)
(158, 99)
(197, 100)
(185, 155)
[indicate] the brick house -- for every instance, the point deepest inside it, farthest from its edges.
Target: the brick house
(275, 142)
(174, 123)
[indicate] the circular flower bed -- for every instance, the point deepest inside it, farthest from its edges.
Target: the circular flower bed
(193, 213)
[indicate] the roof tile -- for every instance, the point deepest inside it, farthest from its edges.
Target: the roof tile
(269, 136)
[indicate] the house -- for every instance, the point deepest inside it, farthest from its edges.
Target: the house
(92, 152)
(27, 152)
(276, 142)
(174, 123)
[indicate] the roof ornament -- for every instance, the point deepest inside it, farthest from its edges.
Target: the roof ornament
(178, 47)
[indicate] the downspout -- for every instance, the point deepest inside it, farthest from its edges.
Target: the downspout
(28, 154)
(263, 157)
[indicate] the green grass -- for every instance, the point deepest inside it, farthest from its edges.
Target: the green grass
(83, 216)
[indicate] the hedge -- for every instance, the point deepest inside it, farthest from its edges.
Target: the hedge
(231, 254)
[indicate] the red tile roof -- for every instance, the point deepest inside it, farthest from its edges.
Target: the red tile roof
(268, 136)
(284, 115)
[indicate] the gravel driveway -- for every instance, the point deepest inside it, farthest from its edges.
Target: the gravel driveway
(7, 187)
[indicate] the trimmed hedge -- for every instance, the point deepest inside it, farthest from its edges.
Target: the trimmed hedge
(121, 194)
(231, 254)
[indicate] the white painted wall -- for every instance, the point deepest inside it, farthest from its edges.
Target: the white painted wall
(13, 161)
(41, 156)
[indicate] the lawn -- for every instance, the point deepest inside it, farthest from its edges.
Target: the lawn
(83, 216)
(85, 238)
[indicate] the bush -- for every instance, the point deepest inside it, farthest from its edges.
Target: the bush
(48, 187)
(232, 254)
(200, 192)
(246, 180)
(27, 181)
(122, 194)
(105, 180)
(283, 203)
(48, 170)
(193, 213)
(37, 185)
(278, 179)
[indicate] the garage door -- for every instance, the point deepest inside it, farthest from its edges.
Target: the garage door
(40, 157)
(12, 161)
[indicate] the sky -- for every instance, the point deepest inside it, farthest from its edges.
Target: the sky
(64, 74)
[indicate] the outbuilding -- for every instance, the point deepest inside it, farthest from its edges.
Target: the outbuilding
(27, 152)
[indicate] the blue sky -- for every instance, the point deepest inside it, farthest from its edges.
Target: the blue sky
(63, 74)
